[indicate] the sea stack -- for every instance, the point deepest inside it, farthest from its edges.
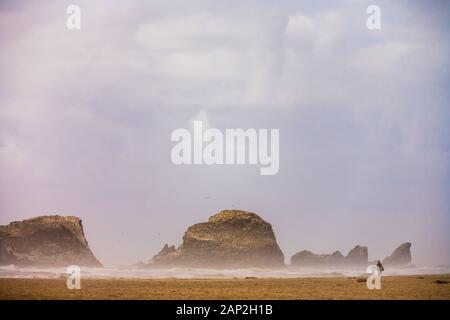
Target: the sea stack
(46, 241)
(229, 239)
(306, 258)
(358, 256)
(400, 257)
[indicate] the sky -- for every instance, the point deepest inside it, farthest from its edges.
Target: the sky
(86, 118)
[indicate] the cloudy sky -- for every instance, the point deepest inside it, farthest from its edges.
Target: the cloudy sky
(86, 118)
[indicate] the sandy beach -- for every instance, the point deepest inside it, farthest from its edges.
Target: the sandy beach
(393, 287)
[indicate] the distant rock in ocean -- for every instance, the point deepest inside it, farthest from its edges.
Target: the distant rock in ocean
(230, 239)
(45, 241)
(308, 259)
(165, 251)
(358, 256)
(400, 257)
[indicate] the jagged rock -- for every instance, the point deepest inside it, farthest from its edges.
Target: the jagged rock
(45, 241)
(166, 250)
(400, 257)
(335, 258)
(305, 258)
(357, 256)
(230, 238)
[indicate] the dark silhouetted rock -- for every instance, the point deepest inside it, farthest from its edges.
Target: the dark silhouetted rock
(400, 257)
(440, 281)
(45, 241)
(230, 238)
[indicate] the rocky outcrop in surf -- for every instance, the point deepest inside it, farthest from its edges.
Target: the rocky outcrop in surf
(165, 251)
(400, 257)
(229, 239)
(358, 256)
(45, 241)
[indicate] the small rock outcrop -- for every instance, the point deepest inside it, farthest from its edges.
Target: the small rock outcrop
(400, 257)
(45, 241)
(165, 251)
(358, 256)
(230, 239)
(308, 259)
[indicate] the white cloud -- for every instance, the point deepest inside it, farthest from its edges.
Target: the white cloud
(382, 58)
(319, 32)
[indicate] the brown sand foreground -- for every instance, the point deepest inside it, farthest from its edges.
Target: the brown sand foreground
(396, 287)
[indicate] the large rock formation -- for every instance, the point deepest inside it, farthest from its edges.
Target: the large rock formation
(45, 241)
(400, 257)
(230, 239)
(358, 256)
(308, 259)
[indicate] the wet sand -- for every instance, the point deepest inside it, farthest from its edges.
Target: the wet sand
(392, 287)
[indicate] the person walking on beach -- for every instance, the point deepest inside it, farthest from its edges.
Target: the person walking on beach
(380, 266)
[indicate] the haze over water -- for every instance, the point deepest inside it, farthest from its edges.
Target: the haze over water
(199, 273)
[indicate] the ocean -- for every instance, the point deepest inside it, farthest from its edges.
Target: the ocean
(200, 273)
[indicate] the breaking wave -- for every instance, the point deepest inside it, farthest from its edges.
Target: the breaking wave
(199, 273)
